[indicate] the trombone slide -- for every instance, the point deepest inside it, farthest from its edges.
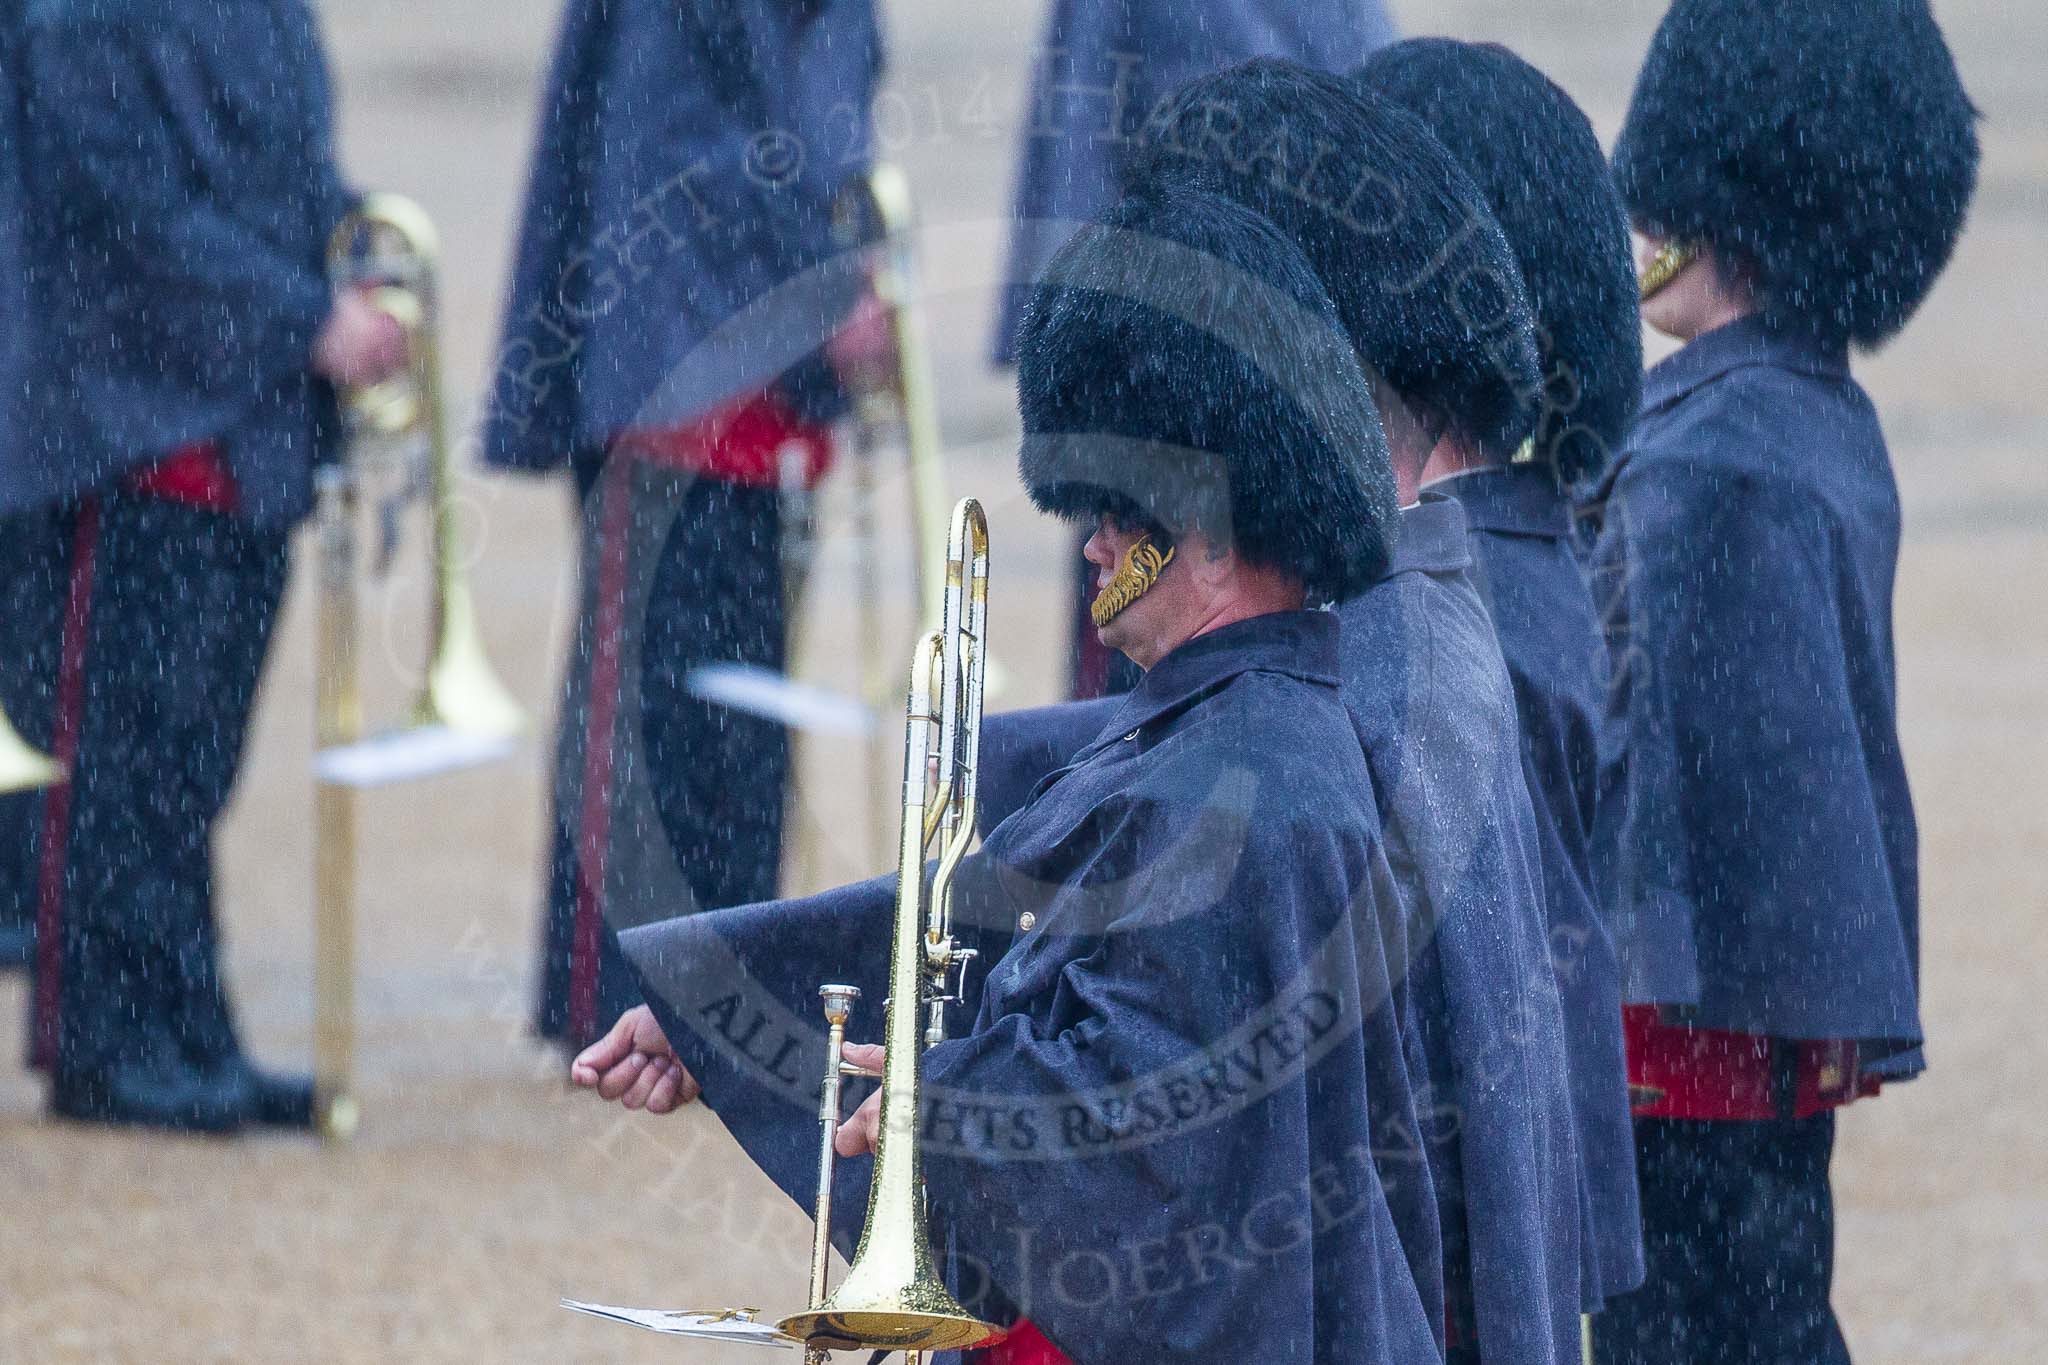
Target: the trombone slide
(338, 721)
(895, 282)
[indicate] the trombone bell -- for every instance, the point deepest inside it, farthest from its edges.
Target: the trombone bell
(906, 1327)
(389, 246)
(462, 692)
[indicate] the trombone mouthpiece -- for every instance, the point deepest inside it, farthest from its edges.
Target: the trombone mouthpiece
(838, 1002)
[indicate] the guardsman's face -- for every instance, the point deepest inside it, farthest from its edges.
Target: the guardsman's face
(1666, 309)
(1139, 629)
(1696, 301)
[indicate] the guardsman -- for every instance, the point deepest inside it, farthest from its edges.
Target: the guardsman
(1535, 157)
(1799, 175)
(1434, 301)
(1170, 1130)
(182, 188)
(1435, 305)
(676, 289)
(1102, 67)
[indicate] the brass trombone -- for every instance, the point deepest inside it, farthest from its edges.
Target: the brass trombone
(875, 213)
(877, 210)
(891, 1298)
(463, 714)
(23, 767)
(389, 246)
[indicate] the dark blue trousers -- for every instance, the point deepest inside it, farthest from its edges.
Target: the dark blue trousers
(1739, 1237)
(664, 803)
(167, 611)
(31, 620)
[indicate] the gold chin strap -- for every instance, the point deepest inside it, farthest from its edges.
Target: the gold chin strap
(1667, 265)
(1142, 564)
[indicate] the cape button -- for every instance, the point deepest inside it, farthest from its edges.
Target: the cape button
(1026, 922)
(1132, 736)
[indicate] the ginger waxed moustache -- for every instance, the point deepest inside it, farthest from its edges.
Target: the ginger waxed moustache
(1139, 570)
(1667, 265)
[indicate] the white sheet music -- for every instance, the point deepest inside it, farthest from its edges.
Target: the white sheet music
(766, 693)
(728, 1325)
(407, 755)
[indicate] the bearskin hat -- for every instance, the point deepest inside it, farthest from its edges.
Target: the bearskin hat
(1826, 146)
(1535, 157)
(1180, 366)
(1420, 274)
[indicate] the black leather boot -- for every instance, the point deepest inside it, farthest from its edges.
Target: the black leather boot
(159, 1091)
(274, 1099)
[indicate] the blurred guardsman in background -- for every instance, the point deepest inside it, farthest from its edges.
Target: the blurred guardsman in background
(1435, 305)
(182, 187)
(675, 291)
(1176, 1126)
(1102, 68)
(1800, 175)
(1535, 157)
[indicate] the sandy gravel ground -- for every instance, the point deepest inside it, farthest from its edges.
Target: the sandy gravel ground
(479, 1191)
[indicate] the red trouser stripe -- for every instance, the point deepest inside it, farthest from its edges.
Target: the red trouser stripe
(593, 831)
(57, 804)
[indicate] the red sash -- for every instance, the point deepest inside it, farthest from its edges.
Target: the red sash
(196, 475)
(1696, 1073)
(1025, 1345)
(745, 441)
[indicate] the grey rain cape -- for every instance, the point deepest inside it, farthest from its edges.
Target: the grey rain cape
(1756, 842)
(1433, 709)
(1183, 1122)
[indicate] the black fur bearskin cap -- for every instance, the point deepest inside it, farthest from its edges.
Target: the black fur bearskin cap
(1827, 146)
(1180, 366)
(1535, 157)
(1419, 271)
